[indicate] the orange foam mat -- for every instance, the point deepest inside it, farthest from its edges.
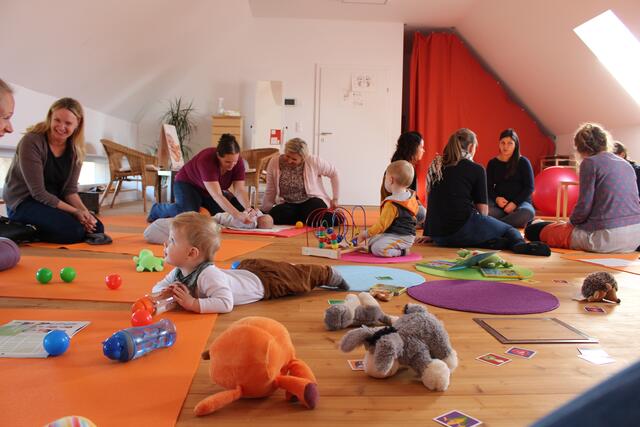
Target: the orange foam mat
(149, 391)
(132, 243)
(586, 256)
(124, 221)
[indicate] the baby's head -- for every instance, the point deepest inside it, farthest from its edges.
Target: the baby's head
(399, 174)
(190, 231)
(265, 221)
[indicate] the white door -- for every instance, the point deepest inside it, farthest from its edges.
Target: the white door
(352, 126)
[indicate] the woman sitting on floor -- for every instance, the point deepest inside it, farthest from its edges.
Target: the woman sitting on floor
(606, 217)
(41, 187)
(510, 183)
(457, 201)
(294, 184)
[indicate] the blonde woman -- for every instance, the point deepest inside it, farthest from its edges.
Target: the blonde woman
(41, 187)
(6, 108)
(294, 184)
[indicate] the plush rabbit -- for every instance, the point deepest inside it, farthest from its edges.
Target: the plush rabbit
(417, 339)
(362, 309)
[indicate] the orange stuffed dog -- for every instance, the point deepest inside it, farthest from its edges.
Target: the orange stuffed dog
(253, 358)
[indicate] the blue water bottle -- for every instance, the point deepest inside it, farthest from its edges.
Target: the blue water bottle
(132, 343)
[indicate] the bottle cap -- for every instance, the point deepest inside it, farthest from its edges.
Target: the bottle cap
(115, 347)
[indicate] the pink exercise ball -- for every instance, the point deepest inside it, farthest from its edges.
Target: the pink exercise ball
(547, 183)
(9, 254)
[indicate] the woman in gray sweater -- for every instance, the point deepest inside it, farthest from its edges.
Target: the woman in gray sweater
(41, 187)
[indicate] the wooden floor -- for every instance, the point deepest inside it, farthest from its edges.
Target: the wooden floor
(515, 394)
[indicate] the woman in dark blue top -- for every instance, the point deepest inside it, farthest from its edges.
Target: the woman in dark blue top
(510, 183)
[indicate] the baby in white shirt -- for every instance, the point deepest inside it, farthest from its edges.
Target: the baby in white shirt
(260, 220)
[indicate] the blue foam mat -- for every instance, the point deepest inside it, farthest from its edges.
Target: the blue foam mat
(363, 277)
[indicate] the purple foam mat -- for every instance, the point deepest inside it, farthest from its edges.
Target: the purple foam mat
(479, 296)
(368, 258)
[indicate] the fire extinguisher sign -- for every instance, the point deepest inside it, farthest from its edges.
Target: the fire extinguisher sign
(275, 136)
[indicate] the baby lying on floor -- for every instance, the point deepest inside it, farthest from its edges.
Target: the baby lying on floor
(158, 231)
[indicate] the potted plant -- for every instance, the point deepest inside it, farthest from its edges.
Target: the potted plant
(181, 115)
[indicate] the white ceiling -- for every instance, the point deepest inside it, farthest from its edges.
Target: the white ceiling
(529, 44)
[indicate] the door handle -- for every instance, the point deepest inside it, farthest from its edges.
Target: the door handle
(326, 133)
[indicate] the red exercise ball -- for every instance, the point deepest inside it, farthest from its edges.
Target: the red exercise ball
(547, 183)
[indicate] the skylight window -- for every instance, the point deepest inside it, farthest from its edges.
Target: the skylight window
(616, 47)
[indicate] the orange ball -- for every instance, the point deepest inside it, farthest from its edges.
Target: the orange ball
(141, 318)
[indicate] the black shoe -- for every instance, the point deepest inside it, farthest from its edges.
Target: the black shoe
(97, 239)
(403, 252)
(496, 244)
(532, 248)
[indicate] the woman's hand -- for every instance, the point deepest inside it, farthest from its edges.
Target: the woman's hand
(501, 202)
(244, 217)
(510, 207)
(184, 298)
(333, 203)
(86, 219)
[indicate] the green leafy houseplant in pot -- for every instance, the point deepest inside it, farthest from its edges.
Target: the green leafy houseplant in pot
(182, 116)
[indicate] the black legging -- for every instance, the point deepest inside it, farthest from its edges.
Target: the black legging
(290, 213)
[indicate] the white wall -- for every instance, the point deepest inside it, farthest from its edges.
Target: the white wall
(629, 136)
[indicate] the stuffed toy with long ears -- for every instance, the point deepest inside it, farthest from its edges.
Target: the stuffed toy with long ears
(253, 358)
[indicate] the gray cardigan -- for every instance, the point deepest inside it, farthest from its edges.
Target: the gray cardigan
(26, 173)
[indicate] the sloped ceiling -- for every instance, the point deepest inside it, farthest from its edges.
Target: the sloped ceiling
(120, 55)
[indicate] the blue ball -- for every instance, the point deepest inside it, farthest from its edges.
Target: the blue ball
(329, 230)
(235, 265)
(339, 239)
(56, 342)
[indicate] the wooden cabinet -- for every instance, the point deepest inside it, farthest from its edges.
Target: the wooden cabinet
(226, 124)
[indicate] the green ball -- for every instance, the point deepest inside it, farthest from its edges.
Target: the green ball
(44, 275)
(67, 274)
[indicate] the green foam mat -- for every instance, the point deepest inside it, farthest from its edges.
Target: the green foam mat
(472, 273)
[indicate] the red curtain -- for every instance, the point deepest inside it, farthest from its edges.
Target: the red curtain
(449, 89)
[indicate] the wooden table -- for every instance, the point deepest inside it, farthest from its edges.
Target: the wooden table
(562, 198)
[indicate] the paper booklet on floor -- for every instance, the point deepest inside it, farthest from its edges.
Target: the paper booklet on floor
(23, 338)
(501, 273)
(392, 289)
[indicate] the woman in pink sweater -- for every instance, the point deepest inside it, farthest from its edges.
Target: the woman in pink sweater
(294, 184)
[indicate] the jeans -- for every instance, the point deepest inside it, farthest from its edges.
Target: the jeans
(482, 231)
(54, 225)
(518, 218)
(188, 199)
(290, 213)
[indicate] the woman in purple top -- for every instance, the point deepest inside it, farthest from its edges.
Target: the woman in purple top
(606, 217)
(213, 179)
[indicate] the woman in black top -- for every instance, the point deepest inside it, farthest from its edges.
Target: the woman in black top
(620, 150)
(457, 214)
(510, 183)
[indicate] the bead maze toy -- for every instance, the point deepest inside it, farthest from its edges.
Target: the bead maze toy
(331, 229)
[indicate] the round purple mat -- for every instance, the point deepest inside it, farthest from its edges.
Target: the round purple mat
(479, 296)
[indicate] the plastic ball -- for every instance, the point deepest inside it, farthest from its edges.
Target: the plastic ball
(56, 342)
(329, 230)
(44, 275)
(113, 281)
(299, 224)
(67, 274)
(9, 254)
(546, 185)
(321, 245)
(354, 241)
(339, 239)
(141, 318)
(235, 264)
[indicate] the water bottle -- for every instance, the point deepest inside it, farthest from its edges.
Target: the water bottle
(155, 303)
(132, 343)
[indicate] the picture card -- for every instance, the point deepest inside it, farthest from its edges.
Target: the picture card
(457, 418)
(521, 352)
(335, 301)
(356, 364)
(594, 309)
(493, 359)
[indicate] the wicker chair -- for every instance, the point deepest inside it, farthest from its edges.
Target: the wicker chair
(258, 159)
(142, 167)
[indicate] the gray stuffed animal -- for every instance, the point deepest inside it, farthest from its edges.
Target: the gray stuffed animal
(600, 286)
(362, 309)
(417, 339)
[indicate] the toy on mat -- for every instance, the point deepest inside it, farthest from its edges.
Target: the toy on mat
(417, 339)
(491, 260)
(72, 421)
(155, 303)
(56, 342)
(44, 275)
(253, 358)
(332, 228)
(600, 286)
(146, 261)
(9, 254)
(132, 343)
(357, 310)
(67, 274)
(141, 318)
(113, 281)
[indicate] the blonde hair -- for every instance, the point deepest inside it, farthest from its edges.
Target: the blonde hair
(200, 231)
(5, 88)
(77, 138)
(401, 171)
(458, 142)
(297, 146)
(592, 138)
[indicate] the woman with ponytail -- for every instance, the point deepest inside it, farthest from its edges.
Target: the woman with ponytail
(606, 217)
(510, 183)
(457, 203)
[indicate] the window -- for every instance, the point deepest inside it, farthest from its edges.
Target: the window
(616, 47)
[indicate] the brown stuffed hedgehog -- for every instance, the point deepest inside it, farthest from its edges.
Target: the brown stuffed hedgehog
(600, 286)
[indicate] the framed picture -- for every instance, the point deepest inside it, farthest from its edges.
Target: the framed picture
(170, 153)
(532, 330)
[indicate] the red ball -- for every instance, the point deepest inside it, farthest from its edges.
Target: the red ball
(141, 318)
(113, 281)
(547, 183)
